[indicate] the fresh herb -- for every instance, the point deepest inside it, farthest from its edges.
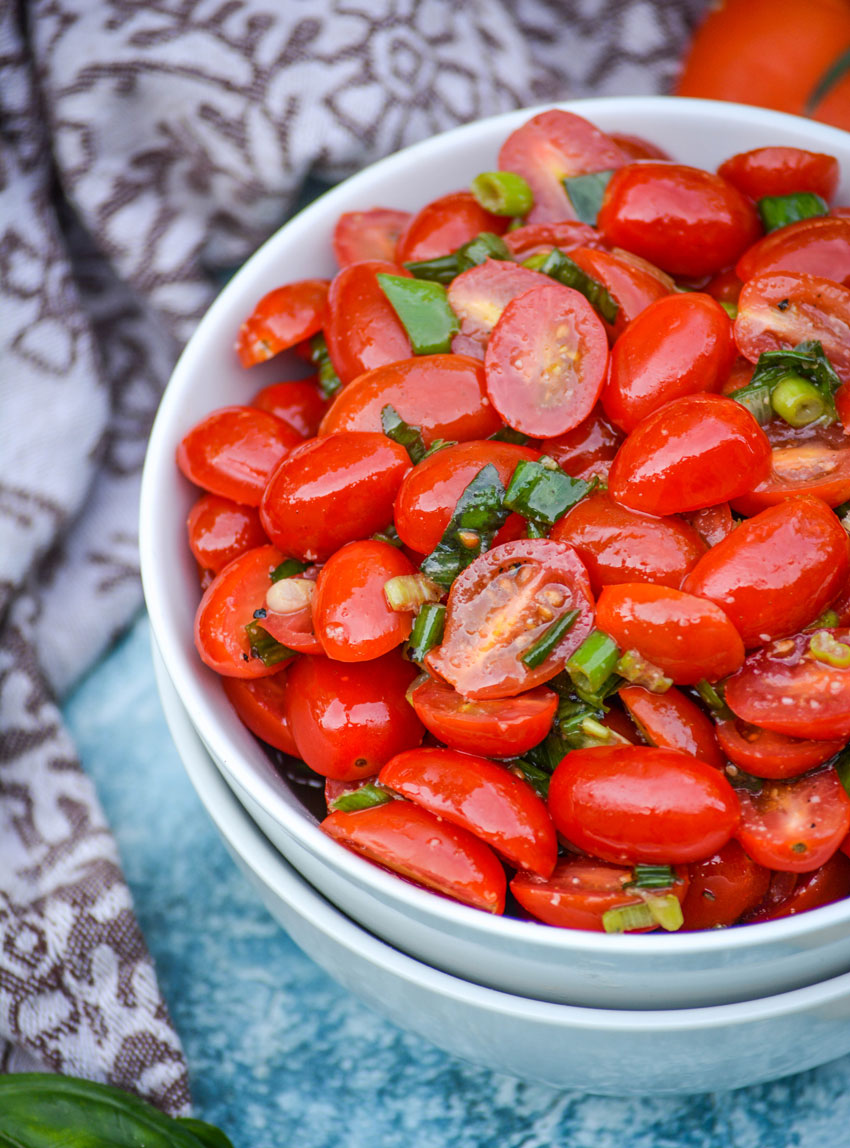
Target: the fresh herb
(537, 778)
(364, 797)
(561, 268)
(826, 648)
(427, 631)
(478, 514)
(329, 380)
(537, 653)
(410, 437)
(636, 669)
(542, 492)
(779, 210)
(265, 647)
(502, 193)
(585, 193)
(444, 268)
(806, 363)
(289, 568)
(410, 591)
(508, 434)
(424, 310)
(652, 877)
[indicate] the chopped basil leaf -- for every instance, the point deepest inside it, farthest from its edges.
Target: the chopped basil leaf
(542, 492)
(364, 797)
(289, 568)
(427, 631)
(585, 193)
(424, 310)
(564, 270)
(478, 514)
(779, 210)
(410, 437)
(265, 647)
(445, 267)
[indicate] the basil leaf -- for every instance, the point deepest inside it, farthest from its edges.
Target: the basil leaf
(478, 514)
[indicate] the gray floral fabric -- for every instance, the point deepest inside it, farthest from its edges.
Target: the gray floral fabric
(144, 145)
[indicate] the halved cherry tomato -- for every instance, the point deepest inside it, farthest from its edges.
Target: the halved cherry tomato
(358, 470)
(782, 171)
(362, 329)
(785, 689)
(362, 235)
(479, 296)
(282, 318)
(829, 883)
(620, 545)
(444, 225)
(348, 718)
(723, 888)
(413, 842)
(795, 825)
(672, 721)
(588, 449)
(353, 620)
(567, 234)
(233, 451)
(639, 803)
(298, 403)
(777, 571)
(499, 606)
(685, 220)
(773, 755)
(686, 637)
(221, 529)
(811, 460)
(481, 796)
(581, 890)
(500, 727)
(631, 286)
(712, 523)
(259, 702)
(695, 451)
(444, 395)
(819, 246)
(546, 361)
(550, 148)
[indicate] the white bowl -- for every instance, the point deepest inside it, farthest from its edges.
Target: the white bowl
(593, 1050)
(638, 972)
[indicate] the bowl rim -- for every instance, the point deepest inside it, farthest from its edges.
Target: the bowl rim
(159, 468)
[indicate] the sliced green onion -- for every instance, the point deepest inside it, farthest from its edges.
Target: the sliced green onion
(796, 401)
(596, 698)
(478, 514)
(410, 591)
(410, 437)
(585, 194)
(536, 261)
(806, 362)
(828, 620)
(542, 492)
(564, 270)
(364, 797)
(389, 534)
(537, 778)
(594, 661)
(779, 210)
(824, 647)
(636, 669)
(427, 631)
(540, 650)
(329, 380)
(424, 310)
(289, 568)
(666, 911)
(652, 877)
(502, 193)
(535, 530)
(731, 309)
(265, 647)
(625, 918)
(508, 434)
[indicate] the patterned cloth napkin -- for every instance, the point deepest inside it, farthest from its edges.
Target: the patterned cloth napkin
(143, 145)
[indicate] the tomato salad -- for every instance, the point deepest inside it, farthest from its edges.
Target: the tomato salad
(544, 569)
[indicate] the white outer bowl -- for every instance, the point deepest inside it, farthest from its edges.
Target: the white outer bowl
(592, 1050)
(646, 971)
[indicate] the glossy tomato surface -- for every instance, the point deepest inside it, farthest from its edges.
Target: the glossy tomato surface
(819, 246)
(766, 754)
(723, 888)
(282, 318)
(298, 403)
(588, 449)
(444, 225)
(672, 721)
(259, 702)
(830, 882)
(567, 234)
(782, 171)
(479, 296)
(804, 460)
(361, 329)
(631, 286)
(221, 529)
(364, 235)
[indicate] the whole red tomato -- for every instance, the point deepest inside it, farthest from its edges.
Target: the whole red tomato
(221, 529)
(672, 721)
(723, 888)
(361, 328)
(782, 171)
(444, 225)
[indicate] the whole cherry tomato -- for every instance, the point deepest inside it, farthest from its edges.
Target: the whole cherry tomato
(773, 755)
(639, 803)
(588, 449)
(299, 403)
(479, 296)
(804, 460)
(221, 529)
(782, 171)
(281, 319)
(481, 796)
(631, 286)
(348, 718)
(363, 235)
(444, 225)
(723, 888)
(831, 882)
(819, 246)
(362, 329)
(672, 721)
(259, 702)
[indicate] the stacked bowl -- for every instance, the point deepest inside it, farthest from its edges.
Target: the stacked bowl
(618, 1013)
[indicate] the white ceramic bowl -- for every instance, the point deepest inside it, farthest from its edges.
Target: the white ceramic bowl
(646, 971)
(593, 1050)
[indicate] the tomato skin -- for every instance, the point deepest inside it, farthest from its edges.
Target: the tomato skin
(362, 330)
(688, 638)
(499, 605)
(685, 220)
(221, 529)
(588, 449)
(285, 316)
(298, 403)
(782, 171)
(300, 506)
(723, 888)
(349, 718)
(619, 545)
(351, 616)
(678, 345)
(482, 797)
(429, 493)
(795, 825)
(831, 882)
(546, 360)
(445, 395)
(505, 727)
(445, 224)
(672, 721)
(413, 842)
(636, 147)
(233, 451)
(479, 296)
(712, 523)
(819, 246)
(776, 572)
(813, 460)
(259, 702)
(772, 755)
(632, 287)
(693, 452)
(639, 803)
(362, 235)
(564, 233)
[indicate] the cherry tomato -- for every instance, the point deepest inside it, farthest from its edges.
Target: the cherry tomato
(363, 235)
(588, 449)
(357, 470)
(782, 171)
(353, 620)
(712, 523)
(281, 319)
(639, 803)
(620, 545)
(773, 755)
(688, 638)
(479, 296)
(481, 796)
(776, 572)
(723, 888)
(233, 451)
(293, 627)
(499, 606)
(678, 345)
(503, 727)
(785, 689)
(299, 403)
(259, 702)
(427, 498)
(444, 395)
(683, 219)
(581, 890)
(349, 718)
(819, 246)
(794, 825)
(227, 607)
(672, 721)
(636, 147)
(812, 460)
(220, 530)
(725, 287)
(831, 882)
(567, 234)
(362, 329)
(631, 286)
(550, 148)
(444, 225)
(413, 842)
(693, 452)
(546, 361)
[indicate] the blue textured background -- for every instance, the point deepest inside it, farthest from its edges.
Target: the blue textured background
(280, 1055)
